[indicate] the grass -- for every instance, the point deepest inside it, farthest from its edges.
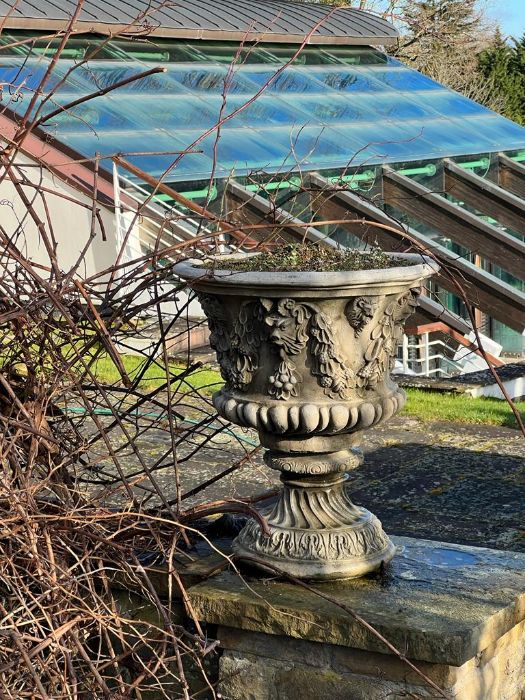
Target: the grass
(204, 379)
(427, 406)
(459, 408)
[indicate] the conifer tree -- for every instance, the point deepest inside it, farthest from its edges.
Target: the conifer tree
(503, 66)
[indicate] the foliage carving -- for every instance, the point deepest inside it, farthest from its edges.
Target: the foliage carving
(292, 327)
(384, 338)
(289, 327)
(237, 349)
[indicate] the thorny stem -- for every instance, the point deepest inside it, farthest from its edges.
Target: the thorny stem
(72, 506)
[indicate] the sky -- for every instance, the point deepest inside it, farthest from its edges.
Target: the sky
(510, 14)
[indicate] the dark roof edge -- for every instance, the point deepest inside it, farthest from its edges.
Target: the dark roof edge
(105, 28)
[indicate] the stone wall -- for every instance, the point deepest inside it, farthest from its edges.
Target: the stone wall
(258, 666)
(457, 612)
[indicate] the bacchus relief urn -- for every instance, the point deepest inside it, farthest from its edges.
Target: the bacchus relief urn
(306, 359)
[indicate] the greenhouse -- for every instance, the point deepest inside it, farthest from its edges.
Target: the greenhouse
(235, 111)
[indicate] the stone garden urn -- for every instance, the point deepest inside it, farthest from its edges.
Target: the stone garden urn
(306, 358)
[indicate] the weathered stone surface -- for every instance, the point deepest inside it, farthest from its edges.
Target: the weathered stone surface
(246, 677)
(497, 673)
(422, 479)
(306, 358)
(513, 370)
(437, 602)
(347, 676)
(451, 482)
(446, 386)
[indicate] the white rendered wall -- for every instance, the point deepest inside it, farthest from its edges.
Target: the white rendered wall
(71, 223)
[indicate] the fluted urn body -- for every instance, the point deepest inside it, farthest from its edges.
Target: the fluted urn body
(306, 359)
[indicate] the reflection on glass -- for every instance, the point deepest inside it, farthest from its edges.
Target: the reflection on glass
(290, 80)
(25, 75)
(331, 107)
(210, 79)
(344, 80)
(399, 77)
(103, 74)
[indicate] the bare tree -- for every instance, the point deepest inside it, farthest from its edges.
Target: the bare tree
(86, 503)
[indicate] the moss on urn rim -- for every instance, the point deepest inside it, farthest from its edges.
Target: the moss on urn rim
(222, 274)
(310, 258)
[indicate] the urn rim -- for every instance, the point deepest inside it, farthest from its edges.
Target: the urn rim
(192, 270)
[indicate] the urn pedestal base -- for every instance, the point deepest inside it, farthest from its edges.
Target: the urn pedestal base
(316, 532)
(306, 359)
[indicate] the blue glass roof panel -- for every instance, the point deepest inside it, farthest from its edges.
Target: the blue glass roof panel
(363, 108)
(22, 75)
(385, 143)
(166, 111)
(496, 130)
(399, 77)
(290, 80)
(478, 135)
(330, 108)
(235, 150)
(210, 79)
(312, 146)
(343, 79)
(447, 102)
(264, 111)
(92, 115)
(160, 152)
(102, 74)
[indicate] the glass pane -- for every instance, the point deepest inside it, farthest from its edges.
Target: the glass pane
(150, 51)
(333, 107)
(210, 79)
(91, 115)
(217, 52)
(28, 46)
(457, 137)
(238, 150)
(265, 110)
(103, 74)
(25, 75)
(153, 152)
(393, 105)
(400, 78)
(311, 147)
(167, 111)
(386, 142)
(328, 108)
(306, 56)
(346, 80)
(356, 56)
(290, 80)
(496, 130)
(447, 102)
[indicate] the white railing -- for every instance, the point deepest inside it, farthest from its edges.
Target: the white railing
(160, 224)
(436, 349)
(426, 358)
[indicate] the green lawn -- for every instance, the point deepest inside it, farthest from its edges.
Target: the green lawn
(459, 408)
(425, 405)
(205, 379)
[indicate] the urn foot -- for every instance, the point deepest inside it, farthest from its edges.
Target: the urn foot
(316, 532)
